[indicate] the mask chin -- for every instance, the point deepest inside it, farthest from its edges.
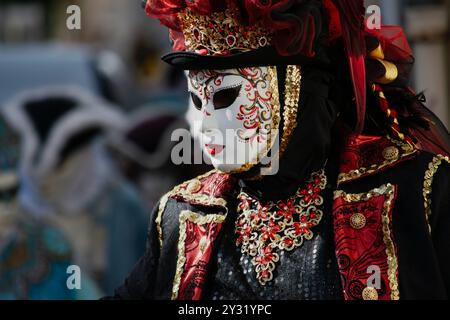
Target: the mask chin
(240, 155)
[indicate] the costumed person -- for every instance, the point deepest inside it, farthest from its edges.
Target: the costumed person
(34, 253)
(359, 206)
(69, 178)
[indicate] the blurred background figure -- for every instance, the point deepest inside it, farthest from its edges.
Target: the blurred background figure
(64, 172)
(143, 153)
(34, 254)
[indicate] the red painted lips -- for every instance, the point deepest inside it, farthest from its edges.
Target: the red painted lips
(214, 149)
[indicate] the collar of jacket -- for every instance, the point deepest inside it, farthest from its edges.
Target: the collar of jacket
(361, 157)
(364, 156)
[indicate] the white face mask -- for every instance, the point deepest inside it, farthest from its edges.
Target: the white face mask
(238, 115)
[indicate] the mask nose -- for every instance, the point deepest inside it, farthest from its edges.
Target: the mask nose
(210, 126)
(208, 120)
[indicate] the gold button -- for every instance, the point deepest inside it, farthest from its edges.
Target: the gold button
(391, 153)
(194, 186)
(358, 221)
(370, 293)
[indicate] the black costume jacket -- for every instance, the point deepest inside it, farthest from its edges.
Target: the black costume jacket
(403, 194)
(384, 231)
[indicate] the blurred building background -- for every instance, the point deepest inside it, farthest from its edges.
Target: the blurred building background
(116, 26)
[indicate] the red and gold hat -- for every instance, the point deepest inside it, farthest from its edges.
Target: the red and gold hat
(227, 27)
(222, 34)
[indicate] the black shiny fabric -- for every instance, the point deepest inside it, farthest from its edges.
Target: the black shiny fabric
(309, 272)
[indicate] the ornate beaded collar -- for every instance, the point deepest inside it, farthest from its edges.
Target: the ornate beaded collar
(264, 229)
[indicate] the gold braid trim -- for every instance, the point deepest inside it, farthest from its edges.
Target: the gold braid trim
(276, 106)
(433, 168)
(161, 209)
(292, 98)
(389, 191)
(183, 191)
(198, 219)
(390, 248)
(358, 173)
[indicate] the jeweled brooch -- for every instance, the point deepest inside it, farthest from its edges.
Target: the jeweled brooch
(265, 229)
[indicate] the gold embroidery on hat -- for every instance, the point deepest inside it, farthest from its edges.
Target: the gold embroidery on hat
(220, 33)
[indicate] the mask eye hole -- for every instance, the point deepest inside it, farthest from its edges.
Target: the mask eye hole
(197, 101)
(226, 97)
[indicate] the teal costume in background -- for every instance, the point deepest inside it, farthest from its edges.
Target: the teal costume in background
(34, 261)
(34, 256)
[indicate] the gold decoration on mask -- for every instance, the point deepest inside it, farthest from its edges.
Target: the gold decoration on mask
(272, 77)
(291, 106)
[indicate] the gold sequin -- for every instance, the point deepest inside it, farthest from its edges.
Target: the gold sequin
(391, 153)
(370, 293)
(291, 104)
(194, 186)
(433, 168)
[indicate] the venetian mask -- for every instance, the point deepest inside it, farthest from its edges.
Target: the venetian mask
(237, 114)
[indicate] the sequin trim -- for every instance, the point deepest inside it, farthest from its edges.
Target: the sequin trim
(184, 191)
(407, 151)
(196, 218)
(433, 168)
(291, 104)
(389, 191)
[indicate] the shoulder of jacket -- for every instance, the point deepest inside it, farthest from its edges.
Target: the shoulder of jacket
(364, 156)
